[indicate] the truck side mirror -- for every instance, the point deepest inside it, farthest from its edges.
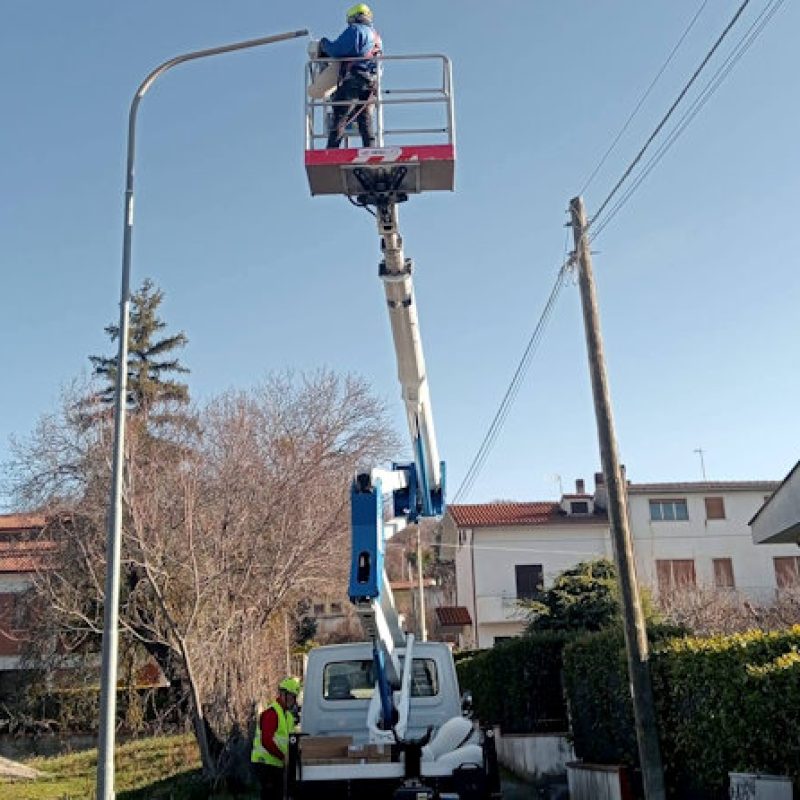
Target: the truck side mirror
(466, 704)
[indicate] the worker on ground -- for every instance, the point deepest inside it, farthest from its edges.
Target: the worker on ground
(355, 95)
(271, 740)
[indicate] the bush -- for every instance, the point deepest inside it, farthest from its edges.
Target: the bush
(517, 684)
(724, 704)
(729, 704)
(596, 684)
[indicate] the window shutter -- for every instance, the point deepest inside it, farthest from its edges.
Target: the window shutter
(683, 572)
(715, 508)
(723, 573)
(664, 575)
(787, 571)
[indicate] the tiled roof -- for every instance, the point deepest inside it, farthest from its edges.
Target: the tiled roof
(21, 522)
(499, 515)
(453, 616)
(24, 556)
(704, 486)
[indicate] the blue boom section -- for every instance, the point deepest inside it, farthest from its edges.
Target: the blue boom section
(385, 691)
(411, 501)
(366, 566)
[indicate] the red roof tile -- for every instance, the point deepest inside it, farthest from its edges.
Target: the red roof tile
(500, 515)
(22, 522)
(24, 556)
(453, 616)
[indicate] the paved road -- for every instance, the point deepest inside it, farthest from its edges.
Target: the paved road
(516, 790)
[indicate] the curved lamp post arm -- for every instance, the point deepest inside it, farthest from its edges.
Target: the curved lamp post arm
(108, 694)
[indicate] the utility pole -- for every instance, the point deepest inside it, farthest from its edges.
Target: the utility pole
(635, 630)
(423, 627)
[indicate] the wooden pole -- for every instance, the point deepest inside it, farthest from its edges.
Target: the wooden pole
(634, 622)
(423, 627)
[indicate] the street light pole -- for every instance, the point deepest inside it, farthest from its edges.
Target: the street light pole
(108, 679)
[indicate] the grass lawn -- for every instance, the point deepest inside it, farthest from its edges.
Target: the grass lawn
(164, 768)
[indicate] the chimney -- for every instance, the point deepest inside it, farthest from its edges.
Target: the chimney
(600, 493)
(599, 480)
(580, 486)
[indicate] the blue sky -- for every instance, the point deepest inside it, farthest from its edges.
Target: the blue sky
(698, 275)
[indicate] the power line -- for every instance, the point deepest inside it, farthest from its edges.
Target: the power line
(644, 97)
(722, 72)
(671, 110)
(514, 387)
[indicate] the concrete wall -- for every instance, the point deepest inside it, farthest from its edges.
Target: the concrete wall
(534, 756)
(594, 782)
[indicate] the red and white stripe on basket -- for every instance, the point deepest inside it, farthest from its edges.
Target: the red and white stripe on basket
(381, 155)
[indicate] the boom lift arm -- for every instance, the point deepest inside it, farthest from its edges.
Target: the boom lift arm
(385, 501)
(413, 490)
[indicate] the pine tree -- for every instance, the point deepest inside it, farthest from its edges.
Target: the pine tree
(151, 362)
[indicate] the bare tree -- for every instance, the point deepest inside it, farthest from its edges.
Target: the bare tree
(708, 610)
(228, 522)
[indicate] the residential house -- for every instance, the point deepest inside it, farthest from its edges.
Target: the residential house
(684, 534)
(778, 520)
(20, 556)
(697, 534)
(504, 552)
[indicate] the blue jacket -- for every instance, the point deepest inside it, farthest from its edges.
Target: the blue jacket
(357, 39)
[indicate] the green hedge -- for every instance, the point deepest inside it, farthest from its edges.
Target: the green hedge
(596, 684)
(724, 704)
(517, 684)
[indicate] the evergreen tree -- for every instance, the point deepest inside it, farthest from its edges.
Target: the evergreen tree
(152, 365)
(583, 598)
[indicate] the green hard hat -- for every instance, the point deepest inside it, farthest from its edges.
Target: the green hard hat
(291, 685)
(359, 10)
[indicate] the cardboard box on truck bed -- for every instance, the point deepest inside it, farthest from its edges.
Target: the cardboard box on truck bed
(370, 753)
(325, 748)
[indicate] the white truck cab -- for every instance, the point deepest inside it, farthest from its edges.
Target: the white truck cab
(340, 682)
(442, 756)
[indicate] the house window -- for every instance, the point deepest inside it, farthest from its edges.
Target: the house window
(715, 508)
(675, 574)
(668, 510)
(336, 608)
(787, 571)
(723, 573)
(319, 609)
(579, 507)
(530, 580)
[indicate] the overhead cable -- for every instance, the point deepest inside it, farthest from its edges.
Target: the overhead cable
(644, 97)
(513, 388)
(671, 110)
(722, 72)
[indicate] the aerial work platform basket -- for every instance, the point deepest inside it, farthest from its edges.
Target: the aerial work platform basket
(414, 132)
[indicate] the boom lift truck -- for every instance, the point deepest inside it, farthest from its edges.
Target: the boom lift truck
(383, 719)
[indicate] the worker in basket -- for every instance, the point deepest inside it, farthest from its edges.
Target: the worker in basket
(271, 740)
(357, 80)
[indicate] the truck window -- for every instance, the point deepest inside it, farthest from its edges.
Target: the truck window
(355, 680)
